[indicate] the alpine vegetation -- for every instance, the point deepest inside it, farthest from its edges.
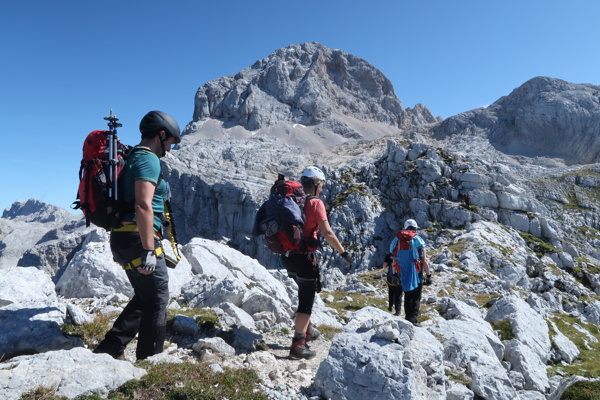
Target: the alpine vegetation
(505, 197)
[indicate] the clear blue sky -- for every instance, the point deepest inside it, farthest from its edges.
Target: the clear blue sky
(65, 64)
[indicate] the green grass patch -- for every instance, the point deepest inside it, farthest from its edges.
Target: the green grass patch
(328, 332)
(485, 299)
(191, 381)
(587, 232)
(358, 301)
(458, 377)
(374, 277)
(536, 244)
(359, 188)
(582, 390)
(459, 247)
(588, 362)
(91, 333)
(425, 312)
(177, 382)
(42, 393)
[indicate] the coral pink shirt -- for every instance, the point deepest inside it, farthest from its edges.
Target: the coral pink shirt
(314, 211)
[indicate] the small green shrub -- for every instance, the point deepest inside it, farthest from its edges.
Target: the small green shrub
(504, 329)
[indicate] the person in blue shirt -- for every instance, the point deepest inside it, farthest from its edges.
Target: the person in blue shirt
(136, 245)
(409, 255)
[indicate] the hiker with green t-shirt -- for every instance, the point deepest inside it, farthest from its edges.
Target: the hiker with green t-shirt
(136, 245)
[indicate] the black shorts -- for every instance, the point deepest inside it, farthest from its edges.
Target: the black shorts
(306, 275)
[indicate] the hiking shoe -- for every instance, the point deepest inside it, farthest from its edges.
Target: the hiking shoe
(397, 313)
(389, 308)
(313, 334)
(300, 350)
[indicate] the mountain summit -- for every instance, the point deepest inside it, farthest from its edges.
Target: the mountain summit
(311, 85)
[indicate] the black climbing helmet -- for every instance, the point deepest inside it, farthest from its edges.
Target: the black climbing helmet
(156, 121)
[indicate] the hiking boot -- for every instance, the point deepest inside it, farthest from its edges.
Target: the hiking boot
(120, 357)
(397, 313)
(300, 350)
(313, 334)
(389, 308)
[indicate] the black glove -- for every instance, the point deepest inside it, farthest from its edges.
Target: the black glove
(148, 260)
(428, 280)
(347, 259)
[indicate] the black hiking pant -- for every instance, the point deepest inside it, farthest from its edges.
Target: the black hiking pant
(412, 302)
(395, 297)
(146, 313)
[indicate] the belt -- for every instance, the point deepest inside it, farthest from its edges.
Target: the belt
(138, 261)
(127, 228)
(132, 228)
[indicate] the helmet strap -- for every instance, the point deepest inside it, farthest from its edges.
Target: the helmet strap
(162, 145)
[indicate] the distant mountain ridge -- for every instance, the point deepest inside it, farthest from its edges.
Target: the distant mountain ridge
(544, 117)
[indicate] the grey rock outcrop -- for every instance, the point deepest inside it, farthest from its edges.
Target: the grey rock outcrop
(67, 371)
(470, 345)
(31, 315)
(381, 358)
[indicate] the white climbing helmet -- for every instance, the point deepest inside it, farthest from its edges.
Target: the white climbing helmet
(410, 223)
(313, 172)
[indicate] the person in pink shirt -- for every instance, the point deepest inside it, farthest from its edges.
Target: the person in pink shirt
(303, 265)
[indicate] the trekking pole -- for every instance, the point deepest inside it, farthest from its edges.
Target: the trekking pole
(112, 155)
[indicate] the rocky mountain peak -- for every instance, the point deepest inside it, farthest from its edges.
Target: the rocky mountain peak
(34, 210)
(308, 84)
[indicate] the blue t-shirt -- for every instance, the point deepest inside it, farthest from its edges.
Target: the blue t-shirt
(406, 259)
(144, 165)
